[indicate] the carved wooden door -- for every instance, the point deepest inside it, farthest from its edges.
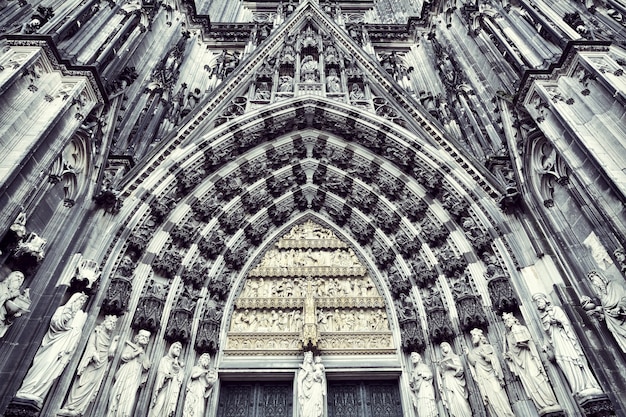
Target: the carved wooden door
(262, 399)
(364, 399)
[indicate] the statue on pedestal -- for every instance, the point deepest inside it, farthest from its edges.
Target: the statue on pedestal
(612, 295)
(311, 387)
(130, 376)
(200, 387)
(523, 359)
(487, 372)
(453, 385)
(421, 383)
(565, 347)
(92, 367)
(56, 350)
(12, 303)
(168, 382)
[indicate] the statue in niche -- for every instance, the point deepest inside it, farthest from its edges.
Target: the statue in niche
(92, 367)
(12, 303)
(453, 389)
(564, 347)
(612, 295)
(56, 350)
(130, 376)
(286, 84)
(487, 373)
(421, 383)
(308, 68)
(168, 382)
(200, 387)
(311, 387)
(333, 83)
(262, 92)
(523, 359)
(356, 93)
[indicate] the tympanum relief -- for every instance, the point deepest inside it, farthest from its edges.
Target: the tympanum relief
(309, 289)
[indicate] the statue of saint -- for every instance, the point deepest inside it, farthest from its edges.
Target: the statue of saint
(333, 83)
(487, 373)
(168, 382)
(311, 387)
(453, 385)
(199, 387)
(92, 367)
(612, 296)
(130, 376)
(356, 93)
(565, 347)
(523, 359)
(421, 383)
(56, 350)
(12, 303)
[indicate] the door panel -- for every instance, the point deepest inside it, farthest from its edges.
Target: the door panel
(364, 399)
(262, 399)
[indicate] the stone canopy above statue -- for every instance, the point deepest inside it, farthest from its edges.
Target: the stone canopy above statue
(309, 291)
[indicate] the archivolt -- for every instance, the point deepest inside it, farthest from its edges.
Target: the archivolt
(416, 213)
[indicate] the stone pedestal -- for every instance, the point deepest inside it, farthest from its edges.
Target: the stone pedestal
(19, 407)
(597, 406)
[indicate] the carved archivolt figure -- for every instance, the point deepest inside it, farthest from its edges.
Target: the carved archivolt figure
(200, 387)
(12, 303)
(523, 359)
(487, 372)
(92, 367)
(421, 383)
(453, 389)
(56, 350)
(130, 376)
(612, 295)
(311, 387)
(168, 382)
(565, 347)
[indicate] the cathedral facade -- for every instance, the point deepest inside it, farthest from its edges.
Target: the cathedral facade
(372, 208)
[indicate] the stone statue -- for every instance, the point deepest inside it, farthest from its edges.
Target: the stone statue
(421, 383)
(453, 390)
(286, 84)
(564, 345)
(612, 295)
(311, 387)
(199, 387)
(56, 350)
(168, 382)
(523, 359)
(19, 225)
(356, 93)
(12, 303)
(130, 376)
(487, 372)
(333, 83)
(92, 367)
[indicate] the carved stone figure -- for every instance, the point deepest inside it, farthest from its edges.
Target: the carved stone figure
(356, 93)
(56, 350)
(12, 303)
(92, 367)
(199, 387)
(565, 347)
(286, 84)
(130, 376)
(19, 225)
(612, 295)
(453, 390)
(421, 383)
(311, 387)
(487, 373)
(168, 382)
(523, 359)
(333, 83)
